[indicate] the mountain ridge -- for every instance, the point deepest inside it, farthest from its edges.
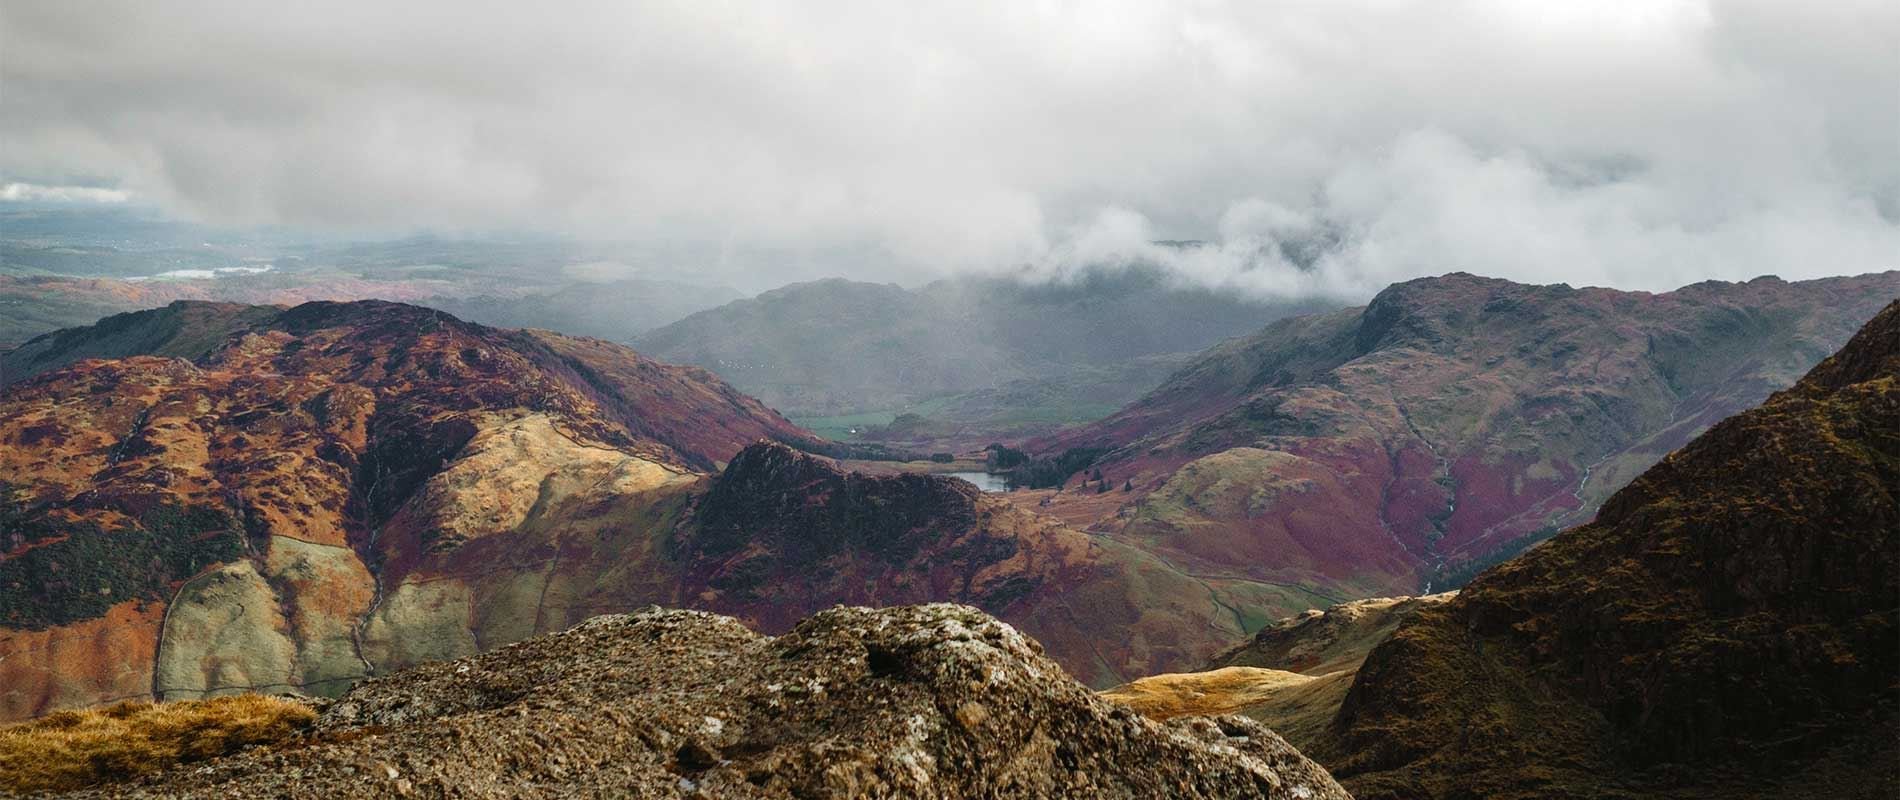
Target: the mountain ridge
(1481, 414)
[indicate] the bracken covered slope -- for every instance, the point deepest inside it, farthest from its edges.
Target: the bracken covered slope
(295, 499)
(213, 518)
(1453, 421)
(1729, 626)
(928, 702)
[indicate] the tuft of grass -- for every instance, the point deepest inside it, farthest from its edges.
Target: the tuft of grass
(74, 749)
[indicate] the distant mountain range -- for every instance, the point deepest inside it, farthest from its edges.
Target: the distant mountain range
(70, 274)
(615, 310)
(968, 360)
(986, 353)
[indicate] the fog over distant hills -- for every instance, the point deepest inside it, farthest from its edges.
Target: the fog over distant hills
(1317, 148)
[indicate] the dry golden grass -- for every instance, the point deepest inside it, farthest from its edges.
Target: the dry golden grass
(1220, 691)
(1296, 706)
(75, 749)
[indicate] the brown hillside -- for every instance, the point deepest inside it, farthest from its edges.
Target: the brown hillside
(1728, 626)
(1453, 421)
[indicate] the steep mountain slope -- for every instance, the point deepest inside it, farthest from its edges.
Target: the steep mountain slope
(1728, 626)
(177, 525)
(928, 702)
(835, 346)
(294, 499)
(1445, 426)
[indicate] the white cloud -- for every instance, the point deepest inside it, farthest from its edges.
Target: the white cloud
(1639, 144)
(16, 192)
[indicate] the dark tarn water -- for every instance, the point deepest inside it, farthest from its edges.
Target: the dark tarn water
(983, 480)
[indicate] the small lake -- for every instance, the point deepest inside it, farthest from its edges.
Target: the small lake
(983, 480)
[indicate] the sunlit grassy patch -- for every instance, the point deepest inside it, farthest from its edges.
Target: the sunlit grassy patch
(74, 749)
(1221, 691)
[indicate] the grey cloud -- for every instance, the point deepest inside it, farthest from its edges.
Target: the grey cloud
(1319, 147)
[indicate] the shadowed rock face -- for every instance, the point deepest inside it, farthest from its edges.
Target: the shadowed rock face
(931, 701)
(804, 510)
(1728, 626)
(1323, 642)
(1449, 424)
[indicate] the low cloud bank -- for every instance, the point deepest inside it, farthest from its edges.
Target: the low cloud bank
(1314, 148)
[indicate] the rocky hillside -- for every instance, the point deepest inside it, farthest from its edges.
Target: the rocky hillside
(295, 499)
(776, 536)
(932, 701)
(1728, 626)
(214, 517)
(1453, 421)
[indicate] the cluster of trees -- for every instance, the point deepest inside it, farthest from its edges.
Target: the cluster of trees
(1002, 458)
(1041, 473)
(82, 575)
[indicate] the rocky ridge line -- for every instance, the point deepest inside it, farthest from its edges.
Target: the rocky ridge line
(933, 701)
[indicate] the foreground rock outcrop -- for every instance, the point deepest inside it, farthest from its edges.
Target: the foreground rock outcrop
(936, 701)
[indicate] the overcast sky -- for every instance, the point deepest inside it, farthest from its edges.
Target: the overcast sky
(1635, 144)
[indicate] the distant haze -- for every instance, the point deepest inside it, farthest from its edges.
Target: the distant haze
(1315, 147)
